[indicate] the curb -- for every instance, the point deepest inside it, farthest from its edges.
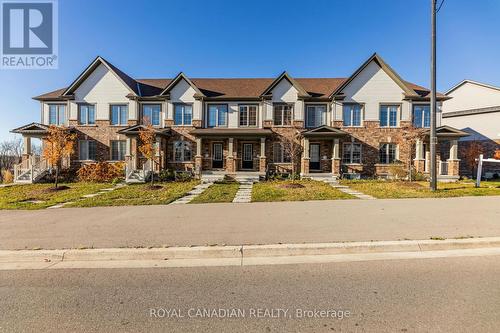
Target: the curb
(239, 253)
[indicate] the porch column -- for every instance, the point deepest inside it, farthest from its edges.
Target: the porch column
(128, 147)
(230, 165)
(262, 159)
(453, 162)
(26, 145)
(198, 159)
(419, 161)
(427, 159)
(336, 157)
(304, 163)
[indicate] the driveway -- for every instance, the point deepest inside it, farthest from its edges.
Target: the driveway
(253, 223)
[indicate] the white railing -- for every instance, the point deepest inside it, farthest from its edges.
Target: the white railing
(31, 169)
(443, 168)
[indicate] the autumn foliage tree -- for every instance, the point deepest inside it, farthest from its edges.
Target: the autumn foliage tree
(290, 141)
(59, 144)
(411, 135)
(471, 153)
(147, 145)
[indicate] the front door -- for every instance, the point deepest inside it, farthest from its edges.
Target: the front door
(247, 162)
(217, 160)
(314, 157)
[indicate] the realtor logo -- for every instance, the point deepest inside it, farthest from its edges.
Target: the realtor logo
(29, 34)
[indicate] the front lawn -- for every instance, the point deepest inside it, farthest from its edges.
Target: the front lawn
(38, 196)
(281, 191)
(139, 194)
(402, 189)
(218, 192)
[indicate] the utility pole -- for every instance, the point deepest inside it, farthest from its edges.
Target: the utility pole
(433, 137)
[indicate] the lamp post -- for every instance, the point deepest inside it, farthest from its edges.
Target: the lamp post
(433, 137)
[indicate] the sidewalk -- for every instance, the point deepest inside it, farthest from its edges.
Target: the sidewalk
(251, 223)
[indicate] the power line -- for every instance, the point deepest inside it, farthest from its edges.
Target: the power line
(439, 7)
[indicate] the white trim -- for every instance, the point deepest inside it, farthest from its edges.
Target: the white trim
(473, 82)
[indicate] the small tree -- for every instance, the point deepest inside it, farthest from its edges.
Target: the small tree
(59, 144)
(147, 146)
(411, 135)
(471, 153)
(292, 148)
(10, 154)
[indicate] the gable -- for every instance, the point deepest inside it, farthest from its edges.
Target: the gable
(101, 85)
(470, 95)
(182, 91)
(284, 91)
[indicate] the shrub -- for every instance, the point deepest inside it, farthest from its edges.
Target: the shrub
(183, 176)
(397, 171)
(101, 172)
(166, 175)
(7, 177)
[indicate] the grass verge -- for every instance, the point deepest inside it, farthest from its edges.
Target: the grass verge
(39, 196)
(402, 189)
(139, 194)
(281, 191)
(218, 192)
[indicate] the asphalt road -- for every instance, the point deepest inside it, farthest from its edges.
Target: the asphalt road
(427, 295)
(253, 223)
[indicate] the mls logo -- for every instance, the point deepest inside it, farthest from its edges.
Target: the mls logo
(29, 34)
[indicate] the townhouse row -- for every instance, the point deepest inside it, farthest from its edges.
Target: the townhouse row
(362, 124)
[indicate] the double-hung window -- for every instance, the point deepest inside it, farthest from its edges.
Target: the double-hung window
(86, 114)
(118, 148)
(119, 115)
(351, 153)
(183, 114)
(151, 114)
(248, 115)
(389, 115)
(283, 114)
(182, 151)
(388, 153)
(315, 115)
(352, 114)
(86, 150)
(217, 115)
(57, 113)
(421, 115)
(280, 154)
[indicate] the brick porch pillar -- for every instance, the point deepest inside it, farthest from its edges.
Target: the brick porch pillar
(419, 161)
(198, 159)
(336, 157)
(453, 161)
(262, 158)
(304, 162)
(230, 161)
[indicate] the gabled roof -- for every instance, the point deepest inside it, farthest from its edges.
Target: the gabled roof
(472, 82)
(324, 131)
(176, 80)
(470, 112)
(135, 129)
(235, 132)
(129, 82)
(32, 128)
(386, 68)
(448, 131)
(284, 76)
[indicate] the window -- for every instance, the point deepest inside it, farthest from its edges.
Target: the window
(282, 115)
(280, 155)
(183, 114)
(351, 153)
(119, 114)
(182, 151)
(57, 114)
(248, 115)
(86, 150)
(217, 115)
(389, 115)
(151, 114)
(86, 114)
(118, 148)
(352, 114)
(421, 115)
(387, 153)
(315, 115)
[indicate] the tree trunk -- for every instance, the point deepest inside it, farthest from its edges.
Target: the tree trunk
(152, 173)
(57, 177)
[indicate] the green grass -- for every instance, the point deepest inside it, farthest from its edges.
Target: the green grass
(17, 196)
(139, 194)
(218, 192)
(312, 190)
(399, 189)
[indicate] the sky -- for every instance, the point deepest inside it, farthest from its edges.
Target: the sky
(229, 38)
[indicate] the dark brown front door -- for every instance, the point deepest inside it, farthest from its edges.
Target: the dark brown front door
(217, 156)
(314, 159)
(247, 162)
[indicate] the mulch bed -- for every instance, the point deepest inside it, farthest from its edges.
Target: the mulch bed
(292, 185)
(56, 189)
(154, 187)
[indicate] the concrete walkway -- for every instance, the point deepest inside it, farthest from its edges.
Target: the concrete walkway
(244, 193)
(250, 223)
(196, 191)
(86, 196)
(348, 190)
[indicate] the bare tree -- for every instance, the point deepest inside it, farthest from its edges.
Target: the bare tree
(147, 147)
(292, 148)
(10, 154)
(471, 153)
(411, 135)
(60, 143)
